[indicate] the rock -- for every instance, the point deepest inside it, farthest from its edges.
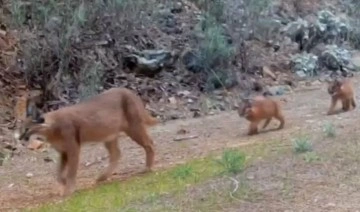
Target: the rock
(148, 62)
(267, 72)
(278, 90)
(192, 62)
(330, 205)
(196, 114)
(250, 176)
(190, 101)
(10, 147)
(183, 93)
(355, 59)
(182, 132)
(177, 8)
(301, 74)
(331, 26)
(316, 83)
(2, 158)
(326, 28)
(305, 64)
(35, 144)
(172, 100)
(298, 31)
(53, 25)
(338, 60)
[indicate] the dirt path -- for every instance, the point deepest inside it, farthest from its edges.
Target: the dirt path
(304, 111)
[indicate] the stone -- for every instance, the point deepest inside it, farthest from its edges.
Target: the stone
(278, 90)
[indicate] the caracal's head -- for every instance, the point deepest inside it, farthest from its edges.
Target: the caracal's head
(33, 119)
(334, 86)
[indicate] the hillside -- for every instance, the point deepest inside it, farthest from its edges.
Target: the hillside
(189, 60)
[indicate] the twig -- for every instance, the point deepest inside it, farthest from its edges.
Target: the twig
(185, 138)
(235, 189)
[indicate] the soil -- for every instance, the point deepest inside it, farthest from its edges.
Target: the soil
(304, 109)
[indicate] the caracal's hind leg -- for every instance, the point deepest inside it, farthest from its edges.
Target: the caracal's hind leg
(253, 128)
(114, 156)
(139, 134)
(280, 117)
(353, 104)
(345, 104)
(62, 169)
(266, 123)
(72, 153)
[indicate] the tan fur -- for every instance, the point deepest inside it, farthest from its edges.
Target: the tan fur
(259, 108)
(341, 90)
(101, 118)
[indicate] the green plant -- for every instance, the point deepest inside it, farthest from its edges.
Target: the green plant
(302, 144)
(233, 161)
(90, 79)
(18, 12)
(183, 172)
(214, 49)
(329, 130)
(214, 52)
(311, 157)
(215, 8)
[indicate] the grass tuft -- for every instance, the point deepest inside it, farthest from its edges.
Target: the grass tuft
(329, 130)
(302, 144)
(233, 161)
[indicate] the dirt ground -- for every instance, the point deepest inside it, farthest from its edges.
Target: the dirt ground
(304, 110)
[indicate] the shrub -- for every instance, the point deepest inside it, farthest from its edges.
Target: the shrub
(329, 130)
(233, 161)
(302, 144)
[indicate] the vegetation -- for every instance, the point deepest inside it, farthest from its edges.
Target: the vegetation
(151, 187)
(302, 144)
(233, 161)
(329, 130)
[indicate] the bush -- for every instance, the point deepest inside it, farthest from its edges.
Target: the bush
(215, 52)
(60, 57)
(302, 144)
(329, 130)
(233, 161)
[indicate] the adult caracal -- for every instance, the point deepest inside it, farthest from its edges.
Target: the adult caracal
(101, 118)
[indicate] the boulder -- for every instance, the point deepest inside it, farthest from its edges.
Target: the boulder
(148, 62)
(304, 64)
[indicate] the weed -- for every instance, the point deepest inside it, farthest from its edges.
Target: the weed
(18, 12)
(310, 157)
(329, 130)
(302, 144)
(183, 172)
(55, 58)
(233, 161)
(214, 49)
(215, 8)
(90, 80)
(214, 52)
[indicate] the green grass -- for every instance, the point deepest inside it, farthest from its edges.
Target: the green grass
(310, 157)
(302, 144)
(116, 196)
(233, 161)
(329, 130)
(119, 194)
